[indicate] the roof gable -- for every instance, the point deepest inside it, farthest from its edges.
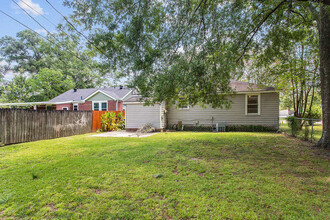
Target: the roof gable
(83, 94)
(99, 96)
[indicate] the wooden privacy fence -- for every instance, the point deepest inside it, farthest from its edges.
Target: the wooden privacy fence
(18, 125)
(97, 119)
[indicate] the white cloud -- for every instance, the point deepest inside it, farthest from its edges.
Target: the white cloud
(31, 7)
(41, 31)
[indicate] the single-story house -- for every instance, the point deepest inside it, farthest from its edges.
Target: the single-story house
(95, 99)
(251, 105)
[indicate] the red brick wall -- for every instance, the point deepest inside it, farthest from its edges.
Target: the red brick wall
(60, 106)
(120, 106)
(87, 106)
(111, 105)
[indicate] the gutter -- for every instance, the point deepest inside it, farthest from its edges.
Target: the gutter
(39, 103)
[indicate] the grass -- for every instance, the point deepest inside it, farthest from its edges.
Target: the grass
(177, 175)
(317, 131)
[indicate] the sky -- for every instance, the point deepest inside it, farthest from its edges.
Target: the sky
(37, 7)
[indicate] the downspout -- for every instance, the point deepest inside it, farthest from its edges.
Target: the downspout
(117, 105)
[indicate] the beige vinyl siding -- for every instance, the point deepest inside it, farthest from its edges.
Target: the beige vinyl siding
(99, 97)
(269, 113)
(138, 115)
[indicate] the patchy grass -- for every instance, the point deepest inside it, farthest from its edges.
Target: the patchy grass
(317, 131)
(177, 175)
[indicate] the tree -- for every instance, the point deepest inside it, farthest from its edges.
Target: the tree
(18, 90)
(50, 83)
(28, 53)
(293, 71)
(188, 50)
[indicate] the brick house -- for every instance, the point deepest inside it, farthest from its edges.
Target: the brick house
(95, 99)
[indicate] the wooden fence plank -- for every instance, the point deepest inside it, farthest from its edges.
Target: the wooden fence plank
(18, 125)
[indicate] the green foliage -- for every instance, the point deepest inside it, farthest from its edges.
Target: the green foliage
(250, 128)
(204, 176)
(44, 69)
(317, 131)
(18, 90)
(315, 113)
(187, 51)
(293, 125)
(306, 132)
(111, 121)
(50, 83)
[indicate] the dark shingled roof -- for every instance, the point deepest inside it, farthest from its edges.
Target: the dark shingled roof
(81, 94)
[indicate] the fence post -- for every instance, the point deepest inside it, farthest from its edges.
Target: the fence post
(312, 130)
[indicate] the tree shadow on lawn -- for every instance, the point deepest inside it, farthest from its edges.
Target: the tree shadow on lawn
(178, 175)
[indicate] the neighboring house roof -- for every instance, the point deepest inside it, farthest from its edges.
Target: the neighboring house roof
(82, 94)
(135, 98)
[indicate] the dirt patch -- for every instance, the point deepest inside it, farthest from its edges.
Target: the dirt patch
(175, 171)
(51, 207)
(123, 134)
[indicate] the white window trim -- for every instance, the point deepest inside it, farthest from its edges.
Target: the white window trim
(100, 105)
(246, 103)
(75, 105)
(65, 108)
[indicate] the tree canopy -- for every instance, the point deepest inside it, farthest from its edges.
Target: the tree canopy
(48, 66)
(189, 50)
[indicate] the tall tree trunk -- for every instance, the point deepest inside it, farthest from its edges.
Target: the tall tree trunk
(324, 41)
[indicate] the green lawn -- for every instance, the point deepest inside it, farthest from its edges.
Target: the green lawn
(176, 175)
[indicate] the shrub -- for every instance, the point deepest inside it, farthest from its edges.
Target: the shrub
(315, 113)
(197, 128)
(112, 122)
(293, 125)
(306, 133)
(249, 128)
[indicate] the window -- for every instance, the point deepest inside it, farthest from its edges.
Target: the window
(252, 104)
(65, 108)
(96, 106)
(104, 106)
(75, 107)
(100, 106)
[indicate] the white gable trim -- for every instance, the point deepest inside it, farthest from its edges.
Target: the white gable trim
(126, 95)
(94, 93)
